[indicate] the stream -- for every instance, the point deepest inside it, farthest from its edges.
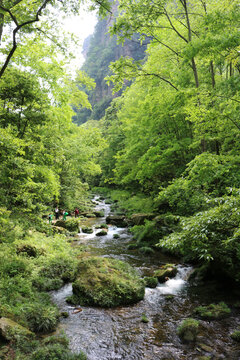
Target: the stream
(119, 333)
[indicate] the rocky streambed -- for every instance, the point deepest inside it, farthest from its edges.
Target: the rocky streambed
(148, 329)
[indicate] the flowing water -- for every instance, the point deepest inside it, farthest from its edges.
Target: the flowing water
(119, 333)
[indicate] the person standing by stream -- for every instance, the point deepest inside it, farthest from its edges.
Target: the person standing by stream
(56, 211)
(50, 217)
(65, 214)
(76, 212)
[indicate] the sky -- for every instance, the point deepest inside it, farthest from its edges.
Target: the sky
(81, 26)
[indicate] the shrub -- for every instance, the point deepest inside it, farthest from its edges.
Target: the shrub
(211, 237)
(41, 318)
(15, 266)
(180, 198)
(150, 281)
(146, 250)
(132, 246)
(46, 284)
(9, 229)
(99, 213)
(154, 230)
(59, 267)
(213, 311)
(144, 318)
(56, 352)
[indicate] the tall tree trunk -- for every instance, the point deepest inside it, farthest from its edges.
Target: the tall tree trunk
(1, 26)
(212, 74)
(194, 66)
(195, 72)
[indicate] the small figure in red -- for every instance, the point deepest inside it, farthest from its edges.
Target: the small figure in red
(76, 212)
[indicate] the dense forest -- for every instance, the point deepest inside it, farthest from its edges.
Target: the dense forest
(150, 122)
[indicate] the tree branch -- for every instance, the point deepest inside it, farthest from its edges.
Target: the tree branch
(50, 38)
(15, 31)
(99, 2)
(145, 73)
(173, 27)
(160, 42)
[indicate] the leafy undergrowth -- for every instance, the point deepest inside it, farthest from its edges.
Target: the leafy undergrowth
(127, 201)
(211, 237)
(50, 348)
(28, 269)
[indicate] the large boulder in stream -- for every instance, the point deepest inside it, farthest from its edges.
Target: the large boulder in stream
(69, 224)
(87, 230)
(10, 330)
(139, 219)
(117, 220)
(107, 282)
(166, 271)
(101, 233)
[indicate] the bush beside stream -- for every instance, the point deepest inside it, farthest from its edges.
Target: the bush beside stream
(28, 268)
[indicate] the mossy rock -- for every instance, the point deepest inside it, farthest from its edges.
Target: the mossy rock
(213, 311)
(72, 299)
(144, 319)
(101, 233)
(188, 330)
(166, 271)
(87, 230)
(117, 220)
(146, 250)
(90, 215)
(139, 219)
(150, 281)
(69, 224)
(101, 226)
(99, 214)
(116, 236)
(29, 250)
(64, 314)
(11, 330)
(59, 230)
(132, 246)
(235, 335)
(108, 201)
(107, 282)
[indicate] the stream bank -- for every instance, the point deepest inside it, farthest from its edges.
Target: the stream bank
(119, 333)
